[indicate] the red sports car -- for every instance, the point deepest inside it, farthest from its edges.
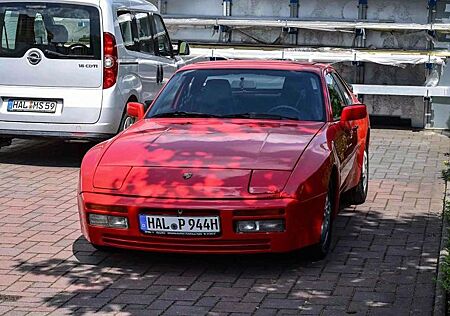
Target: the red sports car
(231, 157)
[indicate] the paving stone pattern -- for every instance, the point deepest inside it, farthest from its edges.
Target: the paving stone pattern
(383, 260)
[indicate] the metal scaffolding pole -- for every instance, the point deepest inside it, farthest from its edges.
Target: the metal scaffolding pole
(293, 32)
(227, 4)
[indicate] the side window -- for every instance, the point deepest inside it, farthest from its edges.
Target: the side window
(145, 39)
(342, 87)
(161, 37)
(9, 29)
(127, 25)
(336, 98)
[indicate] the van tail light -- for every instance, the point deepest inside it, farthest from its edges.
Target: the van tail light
(110, 61)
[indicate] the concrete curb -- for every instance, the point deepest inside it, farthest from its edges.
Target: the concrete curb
(440, 298)
(440, 295)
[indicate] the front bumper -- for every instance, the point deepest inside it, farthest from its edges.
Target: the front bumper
(303, 221)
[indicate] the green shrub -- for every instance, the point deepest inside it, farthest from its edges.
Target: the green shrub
(445, 265)
(445, 268)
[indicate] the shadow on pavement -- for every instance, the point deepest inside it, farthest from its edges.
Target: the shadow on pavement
(377, 264)
(45, 153)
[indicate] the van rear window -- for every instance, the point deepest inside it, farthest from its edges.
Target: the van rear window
(60, 31)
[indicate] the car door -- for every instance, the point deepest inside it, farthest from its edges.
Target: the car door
(358, 128)
(149, 65)
(344, 132)
(169, 63)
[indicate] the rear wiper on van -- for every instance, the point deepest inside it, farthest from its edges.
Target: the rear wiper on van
(53, 53)
(184, 114)
(260, 116)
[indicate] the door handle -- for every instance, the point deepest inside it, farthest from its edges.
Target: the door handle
(160, 74)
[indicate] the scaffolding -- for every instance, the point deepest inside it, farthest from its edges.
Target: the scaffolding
(248, 37)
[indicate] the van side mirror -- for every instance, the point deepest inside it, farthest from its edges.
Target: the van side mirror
(135, 109)
(353, 112)
(183, 48)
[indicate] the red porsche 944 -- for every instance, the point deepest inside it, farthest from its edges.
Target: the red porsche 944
(231, 157)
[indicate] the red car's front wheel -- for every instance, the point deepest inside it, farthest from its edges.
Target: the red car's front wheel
(320, 250)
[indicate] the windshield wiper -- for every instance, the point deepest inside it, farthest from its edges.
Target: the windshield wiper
(260, 116)
(184, 114)
(53, 53)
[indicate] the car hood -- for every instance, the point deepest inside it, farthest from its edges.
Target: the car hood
(211, 143)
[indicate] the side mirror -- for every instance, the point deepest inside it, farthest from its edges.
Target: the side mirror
(135, 109)
(353, 112)
(183, 48)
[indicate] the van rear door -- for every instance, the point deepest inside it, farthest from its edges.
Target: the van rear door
(51, 60)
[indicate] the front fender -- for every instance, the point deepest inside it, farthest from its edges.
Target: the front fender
(311, 175)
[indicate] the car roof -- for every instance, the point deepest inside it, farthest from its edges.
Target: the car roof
(258, 64)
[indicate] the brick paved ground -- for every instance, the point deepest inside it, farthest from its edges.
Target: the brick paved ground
(383, 260)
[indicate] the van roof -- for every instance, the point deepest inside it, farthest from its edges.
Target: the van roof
(132, 4)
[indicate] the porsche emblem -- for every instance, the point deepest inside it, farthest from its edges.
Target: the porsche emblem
(187, 175)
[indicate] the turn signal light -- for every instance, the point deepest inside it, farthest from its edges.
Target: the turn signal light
(108, 221)
(276, 225)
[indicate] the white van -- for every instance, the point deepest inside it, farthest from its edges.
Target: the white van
(68, 68)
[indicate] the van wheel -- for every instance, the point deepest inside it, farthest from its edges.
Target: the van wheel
(126, 122)
(358, 194)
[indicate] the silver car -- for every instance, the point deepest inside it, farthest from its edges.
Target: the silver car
(68, 68)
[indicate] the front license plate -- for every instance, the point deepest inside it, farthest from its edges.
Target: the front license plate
(39, 106)
(173, 225)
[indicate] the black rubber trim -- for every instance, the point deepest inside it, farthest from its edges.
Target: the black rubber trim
(125, 63)
(61, 135)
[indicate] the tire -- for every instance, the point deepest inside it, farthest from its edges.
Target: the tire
(320, 250)
(126, 122)
(358, 194)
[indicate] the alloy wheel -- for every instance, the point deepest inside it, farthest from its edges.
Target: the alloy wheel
(365, 171)
(326, 224)
(128, 122)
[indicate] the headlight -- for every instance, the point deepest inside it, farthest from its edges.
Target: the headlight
(268, 181)
(110, 177)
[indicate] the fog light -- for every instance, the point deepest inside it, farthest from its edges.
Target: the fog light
(108, 221)
(276, 225)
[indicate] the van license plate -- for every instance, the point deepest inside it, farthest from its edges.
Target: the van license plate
(172, 225)
(39, 106)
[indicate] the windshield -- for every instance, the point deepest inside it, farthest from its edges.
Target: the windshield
(58, 30)
(242, 93)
